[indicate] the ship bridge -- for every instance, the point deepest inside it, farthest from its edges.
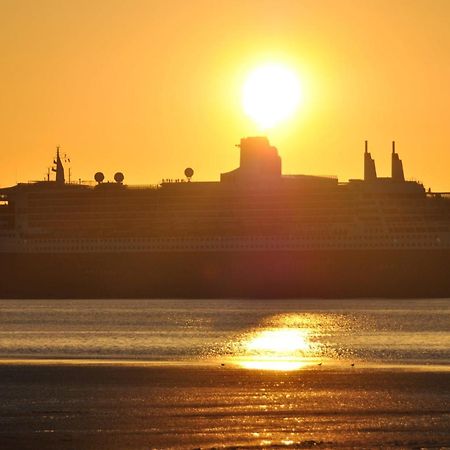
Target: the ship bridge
(259, 161)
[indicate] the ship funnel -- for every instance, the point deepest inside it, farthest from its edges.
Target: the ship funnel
(370, 172)
(396, 166)
(259, 162)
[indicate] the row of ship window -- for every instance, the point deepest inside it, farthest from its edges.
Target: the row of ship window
(241, 246)
(352, 242)
(337, 236)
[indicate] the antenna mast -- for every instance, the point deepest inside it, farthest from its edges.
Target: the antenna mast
(59, 169)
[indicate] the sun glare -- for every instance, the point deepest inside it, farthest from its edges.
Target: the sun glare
(271, 94)
(276, 349)
(279, 341)
(273, 364)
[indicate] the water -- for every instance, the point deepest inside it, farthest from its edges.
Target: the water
(285, 334)
(361, 387)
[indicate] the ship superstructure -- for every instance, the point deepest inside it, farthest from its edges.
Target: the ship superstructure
(254, 211)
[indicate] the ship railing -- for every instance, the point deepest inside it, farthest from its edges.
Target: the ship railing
(143, 186)
(66, 183)
(293, 176)
(82, 182)
(172, 180)
(438, 194)
(128, 186)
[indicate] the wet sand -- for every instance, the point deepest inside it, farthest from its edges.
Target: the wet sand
(161, 406)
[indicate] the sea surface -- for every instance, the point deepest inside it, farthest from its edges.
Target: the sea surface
(140, 374)
(261, 333)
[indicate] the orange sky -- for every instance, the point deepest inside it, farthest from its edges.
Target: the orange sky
(150, 87)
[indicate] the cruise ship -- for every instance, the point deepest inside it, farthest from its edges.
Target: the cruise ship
(256, 233)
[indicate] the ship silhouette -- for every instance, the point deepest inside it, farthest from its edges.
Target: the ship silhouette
(255, 233)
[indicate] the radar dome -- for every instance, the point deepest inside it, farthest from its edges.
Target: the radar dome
(99, 177)
(189, 172)
(119, 177)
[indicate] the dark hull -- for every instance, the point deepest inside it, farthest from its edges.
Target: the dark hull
(374, 273)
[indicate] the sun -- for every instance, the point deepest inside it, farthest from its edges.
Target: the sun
(271, 94)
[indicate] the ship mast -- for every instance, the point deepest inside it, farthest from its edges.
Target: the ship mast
(59, 169)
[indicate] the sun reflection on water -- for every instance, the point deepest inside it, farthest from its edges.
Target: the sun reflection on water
(282, 343)
(281, 340)
(273, 364)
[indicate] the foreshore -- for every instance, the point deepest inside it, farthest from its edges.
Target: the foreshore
(123, 406)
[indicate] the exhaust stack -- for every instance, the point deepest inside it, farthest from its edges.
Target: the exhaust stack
(370, 172)
(397, 166)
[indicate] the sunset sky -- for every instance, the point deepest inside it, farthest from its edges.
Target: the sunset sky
(151, 87)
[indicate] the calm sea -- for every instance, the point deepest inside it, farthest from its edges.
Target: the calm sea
(254, 333)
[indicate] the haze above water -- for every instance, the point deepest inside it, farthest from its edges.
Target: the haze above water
(269, 334)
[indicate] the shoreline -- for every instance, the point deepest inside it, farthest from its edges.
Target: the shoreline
(224, 363)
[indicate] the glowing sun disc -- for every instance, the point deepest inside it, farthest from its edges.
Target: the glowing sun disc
(271, 94)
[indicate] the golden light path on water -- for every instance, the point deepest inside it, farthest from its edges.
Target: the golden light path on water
(277, 349)
(282, 366)
(285, 343)
(281, 340)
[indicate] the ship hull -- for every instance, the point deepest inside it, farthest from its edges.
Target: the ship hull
(264, 274)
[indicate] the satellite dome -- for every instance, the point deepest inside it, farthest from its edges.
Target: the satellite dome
(118, 177)
(189, 172)
(99, 177)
